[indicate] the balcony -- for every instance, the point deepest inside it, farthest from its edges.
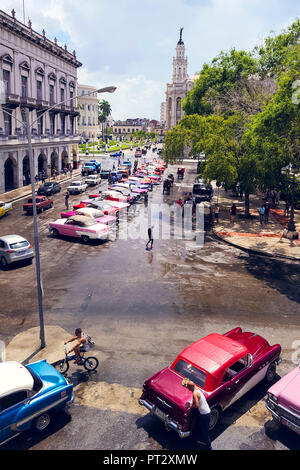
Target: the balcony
(27, 102)
(42, 104)
(12, 101)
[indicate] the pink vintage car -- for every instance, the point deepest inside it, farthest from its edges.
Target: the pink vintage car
(97, 214)
(103, 206)
(79, 226)
(224, 366)
(283, 400)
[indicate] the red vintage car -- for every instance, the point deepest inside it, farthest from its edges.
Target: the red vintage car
(225, 367)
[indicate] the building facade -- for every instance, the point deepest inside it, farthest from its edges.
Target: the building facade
(125, 129)
(37, 74)
(179, 87)
(88, 107)
(163, 114)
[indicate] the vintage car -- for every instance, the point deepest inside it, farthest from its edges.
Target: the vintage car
(130, 186)
(30, 396)
(93, 180)
(77, 187)
(79, 226)
(42, 203)
(283, 400)
(115, 196)
(225, 367)
(100, 204)
(96, 214)
(49, 188)
(5, 208)
(116, 154)
(133, 196)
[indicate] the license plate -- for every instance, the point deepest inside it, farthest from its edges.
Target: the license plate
(20, 253)
(160, 414)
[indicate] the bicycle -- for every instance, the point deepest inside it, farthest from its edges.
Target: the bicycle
(89, 363)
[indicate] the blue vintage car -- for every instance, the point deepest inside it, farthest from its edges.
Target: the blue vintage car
(116, 154)
(29, 397)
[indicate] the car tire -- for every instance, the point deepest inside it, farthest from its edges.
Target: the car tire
(3, 262)
(85, 238)
(42, 422)
(214, 418)
(271, 372)
(55, 232)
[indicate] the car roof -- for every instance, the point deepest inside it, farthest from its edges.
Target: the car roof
(13, 238)
(14, 377)
(214, 354)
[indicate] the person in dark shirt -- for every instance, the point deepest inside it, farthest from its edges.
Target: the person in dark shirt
(150, 236)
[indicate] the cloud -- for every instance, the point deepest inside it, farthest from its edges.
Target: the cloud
(131, 43)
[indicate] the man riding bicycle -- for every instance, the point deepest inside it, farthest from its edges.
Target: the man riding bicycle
(81, 345)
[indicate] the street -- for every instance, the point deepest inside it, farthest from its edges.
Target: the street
(141, 309)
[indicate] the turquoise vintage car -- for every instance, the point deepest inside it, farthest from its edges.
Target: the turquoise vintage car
(30, 396)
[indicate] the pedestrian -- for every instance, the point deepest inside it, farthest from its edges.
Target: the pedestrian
(150, 237)
(287, 209)
(267, 212)
(151, 185)
(261, 211)
(114, 167)
(65, 171)
(67, 200)
(203, 411)
(217, 211)
(146, 199)
(36, 178)
(232, 213)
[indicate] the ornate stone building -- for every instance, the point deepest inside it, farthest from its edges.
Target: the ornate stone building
(179, 87)
(37, 74)
(88, 107)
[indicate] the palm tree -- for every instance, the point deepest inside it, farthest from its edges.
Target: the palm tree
(104, 112)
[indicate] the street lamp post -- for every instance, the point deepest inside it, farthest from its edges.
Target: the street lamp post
(35, 224)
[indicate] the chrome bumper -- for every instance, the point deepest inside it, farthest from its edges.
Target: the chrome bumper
(169, 423)
(282, 419)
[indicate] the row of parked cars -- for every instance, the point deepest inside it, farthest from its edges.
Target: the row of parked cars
(95, 216)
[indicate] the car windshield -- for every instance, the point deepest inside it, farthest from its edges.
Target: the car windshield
(15, 246)
(76, 184)
(188, 371)
(201, 190)
(48, 184)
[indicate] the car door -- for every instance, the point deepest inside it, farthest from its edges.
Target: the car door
(68, 228)
(10, 406)
(240, 378)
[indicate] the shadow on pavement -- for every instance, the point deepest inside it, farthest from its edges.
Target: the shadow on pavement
(280, 275)
(30, 438)
(280, 433)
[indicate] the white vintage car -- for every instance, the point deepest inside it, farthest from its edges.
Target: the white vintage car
(77, 187)
(5, 208)
(93, 180)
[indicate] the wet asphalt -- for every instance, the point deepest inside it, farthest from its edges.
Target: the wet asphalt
(142, 308)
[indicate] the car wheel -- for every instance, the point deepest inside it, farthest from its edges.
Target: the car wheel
(4, 263)
(54, 232)
(42, 422)
(85, 238)
(214, 418)
(271, 372)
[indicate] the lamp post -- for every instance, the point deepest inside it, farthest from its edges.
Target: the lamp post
(291, 169)
(35, 224)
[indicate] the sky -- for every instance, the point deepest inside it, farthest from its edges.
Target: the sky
(131, 43)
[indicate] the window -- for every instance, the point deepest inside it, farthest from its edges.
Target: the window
(7, 123)
(12, 399)
(62, 124)
(6, 80)
(71, 99)
(52, 124)
(40, 123)
(62, 94)
(190, 372)
(24, 82)
(51, 93)
(39, 90)
(235, 368)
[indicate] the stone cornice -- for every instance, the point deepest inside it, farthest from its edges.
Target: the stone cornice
(26, 32)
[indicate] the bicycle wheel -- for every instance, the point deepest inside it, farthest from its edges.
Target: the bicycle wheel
(91, 363)
(62, 366)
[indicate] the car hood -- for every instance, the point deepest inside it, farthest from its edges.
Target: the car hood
(287, 390)
(48, 374)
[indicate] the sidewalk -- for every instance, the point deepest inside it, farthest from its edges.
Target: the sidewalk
(25, 191)
(248, 234)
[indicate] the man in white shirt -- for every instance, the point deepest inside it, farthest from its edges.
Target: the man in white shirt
(199, 402)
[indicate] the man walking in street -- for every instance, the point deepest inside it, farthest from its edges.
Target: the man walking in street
(199, 402)
(150, 236)
(67, 200)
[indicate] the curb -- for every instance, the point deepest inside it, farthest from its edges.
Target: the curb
(255, 252)
(30, 192)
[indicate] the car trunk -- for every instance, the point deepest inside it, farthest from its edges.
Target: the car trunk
(166, 392)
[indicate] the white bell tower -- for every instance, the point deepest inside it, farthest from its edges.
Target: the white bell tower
(180, 62)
